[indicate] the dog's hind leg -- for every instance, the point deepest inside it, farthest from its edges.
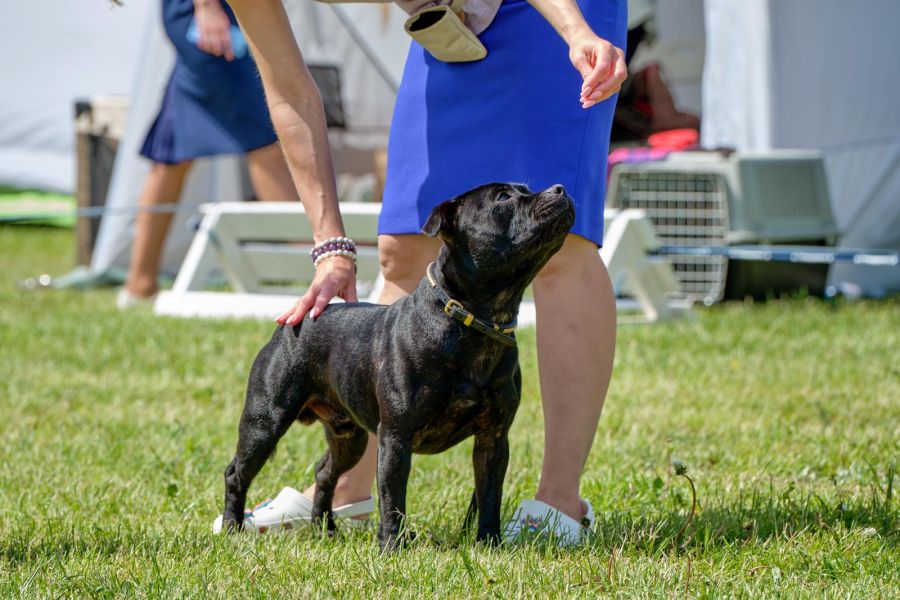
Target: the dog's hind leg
(268, 413)
(346, 446)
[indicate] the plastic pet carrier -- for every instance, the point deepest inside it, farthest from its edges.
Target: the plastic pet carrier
(715, 199)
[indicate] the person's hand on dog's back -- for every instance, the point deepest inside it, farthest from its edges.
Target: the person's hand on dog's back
(299, 118)
(335, 276)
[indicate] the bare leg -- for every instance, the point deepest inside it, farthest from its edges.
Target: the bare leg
(404, 259)
(162, 186)
(269, 174)
(403, 262)
(576, 336)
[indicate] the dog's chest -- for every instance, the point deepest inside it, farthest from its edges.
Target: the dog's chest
(466, 407)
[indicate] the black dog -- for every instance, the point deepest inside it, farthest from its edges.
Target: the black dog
(423, 373)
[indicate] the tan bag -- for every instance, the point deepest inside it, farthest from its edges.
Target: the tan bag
(439, 29)
(442, 32)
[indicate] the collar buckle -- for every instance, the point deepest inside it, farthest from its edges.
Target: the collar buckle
(450, 305)
(455, 310)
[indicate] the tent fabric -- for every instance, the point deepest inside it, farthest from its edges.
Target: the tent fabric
(54, 53)
(816, 74)
(367, 44)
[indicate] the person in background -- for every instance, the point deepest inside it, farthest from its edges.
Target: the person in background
(213, 105)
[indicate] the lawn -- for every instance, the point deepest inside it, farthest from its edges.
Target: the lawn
(116, 428)
(36, 207)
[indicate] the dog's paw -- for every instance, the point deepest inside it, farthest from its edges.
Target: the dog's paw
(393, 542)
(228, 526)
(490, 538)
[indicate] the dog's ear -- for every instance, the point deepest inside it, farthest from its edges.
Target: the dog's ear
(442, 219)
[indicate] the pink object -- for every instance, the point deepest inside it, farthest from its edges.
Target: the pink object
(674, 139)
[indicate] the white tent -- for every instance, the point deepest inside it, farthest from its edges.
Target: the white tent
(55, 52)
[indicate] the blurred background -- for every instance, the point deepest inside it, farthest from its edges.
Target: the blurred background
(792, 104)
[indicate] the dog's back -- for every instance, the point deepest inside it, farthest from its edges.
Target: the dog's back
(323, 362)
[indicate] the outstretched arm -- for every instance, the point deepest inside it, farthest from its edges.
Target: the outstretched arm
(299, 119)
(602, 65)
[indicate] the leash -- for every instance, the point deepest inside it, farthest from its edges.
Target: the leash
(502, 332)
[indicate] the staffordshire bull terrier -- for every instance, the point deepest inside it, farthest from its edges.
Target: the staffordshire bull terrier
(424, 373)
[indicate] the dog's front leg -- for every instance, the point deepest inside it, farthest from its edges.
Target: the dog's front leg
(394, 460)
(490, 458)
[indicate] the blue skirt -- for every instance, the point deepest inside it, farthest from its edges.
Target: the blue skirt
(211, 106)
(513, 117)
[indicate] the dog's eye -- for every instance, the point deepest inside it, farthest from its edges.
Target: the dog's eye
(503, 197)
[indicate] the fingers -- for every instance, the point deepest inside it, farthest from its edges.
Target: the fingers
(204, 43)
(322, 300)
(334, 277)
(604, 58)
(583, 65)
(350, 291)
(299, 310)
(610, 85)
(209, 43)
(216, 41)
(227, 50)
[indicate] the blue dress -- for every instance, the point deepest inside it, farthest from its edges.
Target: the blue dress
(211, 106)
(514, 116)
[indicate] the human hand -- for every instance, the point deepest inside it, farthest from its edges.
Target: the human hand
(214, 29)
(602, 67)
(335, 276)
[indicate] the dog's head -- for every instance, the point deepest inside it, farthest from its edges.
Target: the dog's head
(501, 234)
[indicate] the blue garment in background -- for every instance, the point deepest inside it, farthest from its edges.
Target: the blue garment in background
(514, 116)
(211, 106)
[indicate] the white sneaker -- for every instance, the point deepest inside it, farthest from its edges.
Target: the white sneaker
(291, 509)
(535, 518)
(125, 300)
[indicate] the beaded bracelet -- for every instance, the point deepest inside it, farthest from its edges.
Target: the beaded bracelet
(336, 246)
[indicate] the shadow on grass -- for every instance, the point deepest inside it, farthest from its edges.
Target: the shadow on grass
(751, 518)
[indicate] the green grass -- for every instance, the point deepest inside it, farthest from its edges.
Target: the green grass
(35, 207)
(116, 428)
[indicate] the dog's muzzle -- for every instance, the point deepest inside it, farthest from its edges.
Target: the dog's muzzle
(552, 203)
